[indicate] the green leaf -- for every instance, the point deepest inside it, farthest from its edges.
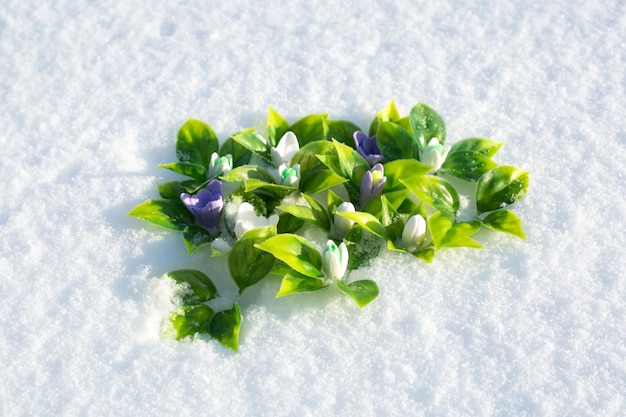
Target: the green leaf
(191, 319)
(248, 264)
(500, 186)
(342, 131)
(288, 223)
(320, 180)
(426, 124)
(169, 214)
(225, 326)
(427, 255)
(395, 142)
(467, 165)
(295, 251)
(310, 129)
(315, 176)
(367, 221)
(362, 247)
(434, 191)
(322, 218)
(276, 127)
(403, 169)
(304, 213)
(201, 285)
(294, 282)
(505, 221)
(196, 237)
(388, 114)
(190, 169)
(241, 155)
(362, 292)
(248, 172)
(446, 233)
(196, 142)
(352, 164)
(253, 142)
(171, 190)
(483, 146)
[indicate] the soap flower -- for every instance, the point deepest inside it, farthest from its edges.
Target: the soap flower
(368, 148)
(246, 219)
(335, 260)
(206, 206)
(434, 154)
(372, 184)
(341, 225)
(290, 176)
(285, 149)
(414, 233)
(220, 165)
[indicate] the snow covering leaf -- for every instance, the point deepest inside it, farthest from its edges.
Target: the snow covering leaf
(169, 214)
(195, 143)
(196, 237)
(499, 187)
(188, 320)
(199, 282)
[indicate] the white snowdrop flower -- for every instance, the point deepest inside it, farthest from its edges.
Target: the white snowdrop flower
(285, 149)
(220, 165)
(289, 176)
(434, 154)
(341, 225)
(246, 219)
(335, 260)
(414, 232)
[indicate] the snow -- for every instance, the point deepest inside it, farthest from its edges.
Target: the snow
(92, 95)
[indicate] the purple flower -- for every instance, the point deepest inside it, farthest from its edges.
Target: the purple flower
(206, 205)
(372, 184)
(368, 148)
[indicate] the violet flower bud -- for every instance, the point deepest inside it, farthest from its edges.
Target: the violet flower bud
(206, 206)
(368, 148)
(372, 184)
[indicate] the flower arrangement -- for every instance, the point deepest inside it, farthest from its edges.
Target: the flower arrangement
(251, 197)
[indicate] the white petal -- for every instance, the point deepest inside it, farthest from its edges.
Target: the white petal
(344, 259)
(288, 146)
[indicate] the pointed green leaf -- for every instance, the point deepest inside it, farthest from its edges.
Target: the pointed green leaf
(190, 169)
(483, 146)
(195, 143)
(196, 237)
(288, 223)
(342, 131)
(241, 155)
(362, 292)
(295, 251)
(505, 221)
(253, 142)
(225, 326)
(467, 165)
(322, 217)
(351, 163)
(248, 264)
(294, 282)
(200, 284)
(434, 191)
(395, 142)
(367, 221)
(447, 233)
(191, 319)
(310, 129)
(427, 254)
(362, 247)
(170, 214)
(426, 124)
(302, 212)
(171, 190)
(248, 172)
(403, 169)
(276, 127)
(499, 187)
(388, 114)
(320, 180)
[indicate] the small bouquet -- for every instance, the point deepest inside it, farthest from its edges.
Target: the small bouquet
(251, 197)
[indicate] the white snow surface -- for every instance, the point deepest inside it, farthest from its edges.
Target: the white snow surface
(92, 94)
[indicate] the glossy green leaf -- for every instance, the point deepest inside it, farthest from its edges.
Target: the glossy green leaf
(505, 221)
(362, 292)
(169, 214)
(171, 190)
(434, 191)
(295, 251)
(191, 319)
(253, 142)
(403, 169)
(293, 283)
(196, 142)
(427, 255)
(447, 233)
(499, 187)
(196, 237)
(320, 180)
(241, 155)
(276, 127)
(362, 247)
(342, 131)
(225, 326)
(200, 284)
(248, 172)
(321, 214)
(248, 264)
(367, 221)
(190, 169)
(315, 176)
(388, 114)
(467, 165)
(352, 164)
(395, 142)
(310, 129)
(483, 146)
(426, 124)
(302, 212)
(288, 223)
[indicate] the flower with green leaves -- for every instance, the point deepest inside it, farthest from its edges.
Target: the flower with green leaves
(220, 165)
(434, 154)
(335, 260)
